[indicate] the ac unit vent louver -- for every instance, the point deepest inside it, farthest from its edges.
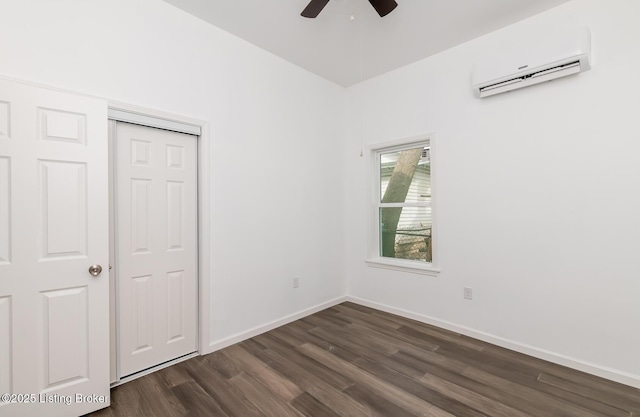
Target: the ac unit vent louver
(547, 58)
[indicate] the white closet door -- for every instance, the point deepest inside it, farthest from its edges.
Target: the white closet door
(54, 317)
(156, 220)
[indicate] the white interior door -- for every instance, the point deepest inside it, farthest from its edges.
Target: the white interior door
(54, 317)
(156, 254)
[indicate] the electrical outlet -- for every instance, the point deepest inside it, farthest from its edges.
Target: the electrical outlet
(296, 282)
(468, 293)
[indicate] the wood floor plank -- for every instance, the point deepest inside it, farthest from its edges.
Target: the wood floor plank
(292, 334)
(419, 359)
(197, 402)
(357, 316)
(519, 396)
(300, 337)
(156, 398)
(307, 405)
(311, 320)
(221, 363)
(506, 371)
(385, 407)
(252, 345)
(531, 400)
(330, 395)
(418, 342)
(320, 371)
(367, 352)
(430, 329)
(436, 334)
(629, 403)
(351, 360)
(346, 333)
(472, 399)
(598, 384)
(391, 362)
(381, 388)
(411, 385)
(342, 342)
(397, 342)
(176, 375)
(262, 397)
(593, 384)
(124, 402)
(424, 364)
(332, 315)
(231, 400)
(439, 338)
(253, 366)
(483, 360)
(446, 363)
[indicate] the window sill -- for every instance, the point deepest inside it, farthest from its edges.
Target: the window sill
(403, 265)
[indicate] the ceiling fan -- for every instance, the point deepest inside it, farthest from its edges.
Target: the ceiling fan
(383, 7)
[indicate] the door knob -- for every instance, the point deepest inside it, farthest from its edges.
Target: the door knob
(95, 270)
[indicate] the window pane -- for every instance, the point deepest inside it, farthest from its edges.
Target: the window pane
(405, 233)
(405, 176)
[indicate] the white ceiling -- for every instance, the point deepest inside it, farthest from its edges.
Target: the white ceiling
(332, 44)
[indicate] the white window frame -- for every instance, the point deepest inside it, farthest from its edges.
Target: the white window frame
(374, 259)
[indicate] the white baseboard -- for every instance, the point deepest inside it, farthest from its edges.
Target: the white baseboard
(248, 334)
(591, 368)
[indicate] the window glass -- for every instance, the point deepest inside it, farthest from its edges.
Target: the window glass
(410, 173)
(411, 238)
(404, 212)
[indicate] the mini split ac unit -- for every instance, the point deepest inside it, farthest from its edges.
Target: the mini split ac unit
(550, 55)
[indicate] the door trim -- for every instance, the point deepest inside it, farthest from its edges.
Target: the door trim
(171, 121)
(152, 121)
(151, 370)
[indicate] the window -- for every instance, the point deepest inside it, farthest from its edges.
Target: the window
(402, 206)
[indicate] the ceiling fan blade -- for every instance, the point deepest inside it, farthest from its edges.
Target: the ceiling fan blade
(314, 8)
(383, 7)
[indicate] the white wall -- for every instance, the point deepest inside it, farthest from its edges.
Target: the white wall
(538, 196)
(276, 131)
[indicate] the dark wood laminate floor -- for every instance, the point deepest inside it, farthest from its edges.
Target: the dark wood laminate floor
(350, 360)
